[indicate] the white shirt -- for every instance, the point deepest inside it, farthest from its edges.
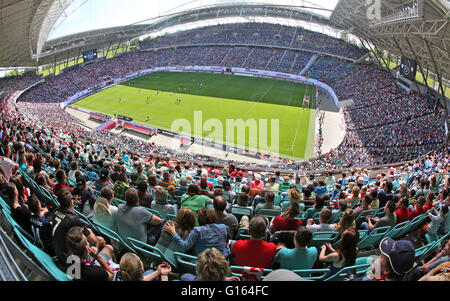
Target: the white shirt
(7, 166)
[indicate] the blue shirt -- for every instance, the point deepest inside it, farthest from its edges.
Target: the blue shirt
(295, 259)
(204, 237)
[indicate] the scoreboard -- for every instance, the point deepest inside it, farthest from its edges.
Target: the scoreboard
(408, 68)
(90, 55)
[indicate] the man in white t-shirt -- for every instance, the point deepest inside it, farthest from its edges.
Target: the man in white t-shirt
(8, 166)
(324, 219)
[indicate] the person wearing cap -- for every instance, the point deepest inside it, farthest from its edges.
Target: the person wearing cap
(395, 261)
(257, 183)
(84, 196)
(294, 197)
(103, 180)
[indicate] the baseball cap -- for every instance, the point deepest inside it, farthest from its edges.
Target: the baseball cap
(81, 180)
(104, 173)
(283, 275)
(401, 254)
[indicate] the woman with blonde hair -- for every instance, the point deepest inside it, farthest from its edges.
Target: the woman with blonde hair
(353, 200)
(211, 265)
(132, 269)
(347, 220)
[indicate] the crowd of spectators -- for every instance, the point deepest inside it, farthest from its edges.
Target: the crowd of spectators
(258, 34)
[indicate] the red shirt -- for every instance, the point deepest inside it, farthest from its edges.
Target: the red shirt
(58, 187)
(427, 207)
(402, 215)
(286, 223)
(416, 213)
(254, 253)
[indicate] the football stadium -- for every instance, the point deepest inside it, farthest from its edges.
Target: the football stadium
(226, 141)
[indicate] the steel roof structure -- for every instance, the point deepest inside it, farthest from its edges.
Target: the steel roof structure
(417, 29)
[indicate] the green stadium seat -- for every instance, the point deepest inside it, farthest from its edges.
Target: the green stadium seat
(185, 263)
(321, 238)
(397, 230)
(313, 274)
(239, 212)
(150, 253)
(373, 238)
(117, 242)
(269, 213)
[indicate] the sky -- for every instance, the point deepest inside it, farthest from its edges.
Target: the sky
(84, 15)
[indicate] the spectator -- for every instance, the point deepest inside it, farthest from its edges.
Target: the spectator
(7, 165)
(207, 235)
(288, 220)
(228, 194)
(121, 186)
(104, 212)
(436, 221)
(300, 258)
(145, 198)
(61, 178)
(324, 219)
(161, 203)
(166, 182)
(254, 252)
(84, 197)
(137, 222)
(19, 211)
(211, 265)
(63, 220)
(132, 269)
(347, 221)
(194, 200)
(40, 225)
(418, 208)
(269, 198)
(402, 212)
(95, 265)
(345, 255)
(103, 180)
(389, 218)
(441, 257)
(395, 261)
(365, 205)
(223, 217)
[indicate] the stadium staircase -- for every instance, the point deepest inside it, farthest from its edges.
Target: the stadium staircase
(309, 65)
(225, 57)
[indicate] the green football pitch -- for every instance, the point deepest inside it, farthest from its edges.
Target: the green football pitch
(229, 109)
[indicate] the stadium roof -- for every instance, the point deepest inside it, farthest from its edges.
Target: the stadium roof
(417, 29)
(25, 25)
